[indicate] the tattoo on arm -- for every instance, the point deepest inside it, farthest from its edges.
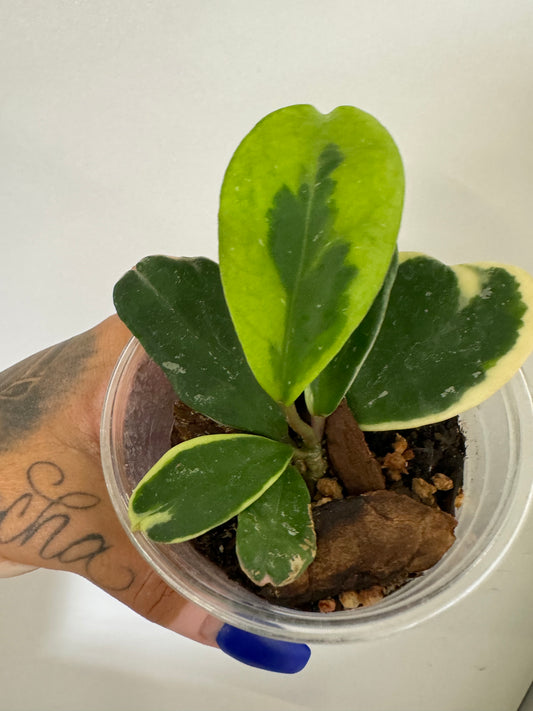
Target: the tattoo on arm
(43, 515)
(30, 388)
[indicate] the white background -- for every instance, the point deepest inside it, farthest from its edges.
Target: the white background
(117, 120)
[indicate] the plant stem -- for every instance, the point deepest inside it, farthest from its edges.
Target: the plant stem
(316, 466)
(318, 424)
(301, 428)
(310, 455)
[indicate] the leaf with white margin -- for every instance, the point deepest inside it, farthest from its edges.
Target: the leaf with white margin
(275, 535)
(203, 482)
(176, 308)
(451, 337)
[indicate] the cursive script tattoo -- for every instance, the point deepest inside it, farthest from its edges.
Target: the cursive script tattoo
(32, 387)
(43, 515)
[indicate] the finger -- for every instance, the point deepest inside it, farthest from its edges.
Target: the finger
(152, 598)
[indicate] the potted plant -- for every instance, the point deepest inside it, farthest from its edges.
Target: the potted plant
(313, 320)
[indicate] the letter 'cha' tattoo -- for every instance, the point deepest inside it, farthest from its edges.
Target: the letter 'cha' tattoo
(43, 515)
(32, 387)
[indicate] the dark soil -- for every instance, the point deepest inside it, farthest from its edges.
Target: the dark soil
(424, 464)
(438, 448)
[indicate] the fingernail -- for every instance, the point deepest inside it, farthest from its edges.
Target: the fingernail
(270, 654)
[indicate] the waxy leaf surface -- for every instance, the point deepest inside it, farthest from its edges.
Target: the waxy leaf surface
(309, 213)
(203, 482)
(451, 337)
(275, 535)
(325, 393)
(176, 308)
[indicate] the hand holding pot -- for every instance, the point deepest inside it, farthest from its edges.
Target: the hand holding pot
(54, 508)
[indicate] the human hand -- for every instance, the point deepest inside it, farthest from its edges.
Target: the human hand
(55, 511)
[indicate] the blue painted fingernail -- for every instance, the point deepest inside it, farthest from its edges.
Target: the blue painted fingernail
(270, 654)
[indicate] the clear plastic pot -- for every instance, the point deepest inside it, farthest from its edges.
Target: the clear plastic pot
(135, 432)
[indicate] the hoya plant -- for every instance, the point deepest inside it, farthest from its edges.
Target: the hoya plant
(311, 304)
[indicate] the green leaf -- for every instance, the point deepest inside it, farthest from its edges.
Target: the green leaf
(452, 336)
(176, 308)
(325, 393)
(309, 212)
(275, 535)
(203, 482)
